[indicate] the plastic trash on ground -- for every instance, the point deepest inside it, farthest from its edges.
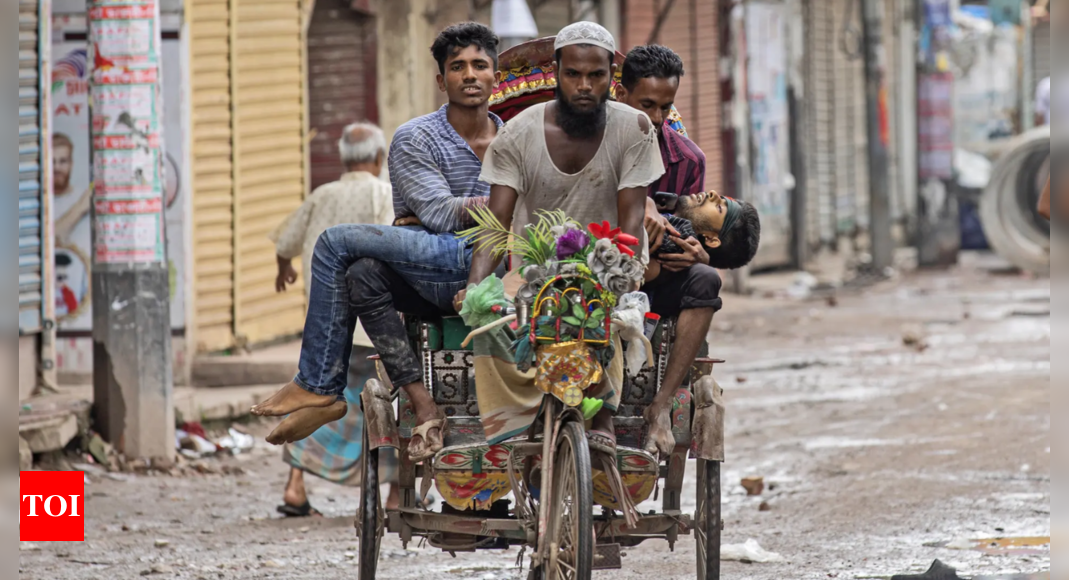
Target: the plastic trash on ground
(750, 552)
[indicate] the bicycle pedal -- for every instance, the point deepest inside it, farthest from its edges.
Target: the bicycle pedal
(607, 557)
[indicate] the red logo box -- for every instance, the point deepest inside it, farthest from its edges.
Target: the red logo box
(52, 506)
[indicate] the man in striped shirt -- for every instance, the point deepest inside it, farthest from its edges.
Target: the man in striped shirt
(370, 273)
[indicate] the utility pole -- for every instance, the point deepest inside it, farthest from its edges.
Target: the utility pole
(879, 130)
(132, 375)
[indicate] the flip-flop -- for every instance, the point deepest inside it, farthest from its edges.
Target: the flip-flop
(601, 441)
(302, 511)
(432, 445)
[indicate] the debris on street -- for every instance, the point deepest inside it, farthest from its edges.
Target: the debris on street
(750, 553)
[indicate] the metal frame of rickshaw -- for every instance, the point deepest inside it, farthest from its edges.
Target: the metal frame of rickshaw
(483, 531)
(490, 531)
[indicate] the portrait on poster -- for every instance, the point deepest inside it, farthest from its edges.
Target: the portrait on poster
(72, 283)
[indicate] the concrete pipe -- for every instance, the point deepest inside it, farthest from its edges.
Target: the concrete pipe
(1008, 209)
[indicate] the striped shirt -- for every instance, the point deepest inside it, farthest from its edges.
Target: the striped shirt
(435, 174)
(684, 165)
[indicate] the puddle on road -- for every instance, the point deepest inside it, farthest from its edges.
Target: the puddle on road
(1022, 546)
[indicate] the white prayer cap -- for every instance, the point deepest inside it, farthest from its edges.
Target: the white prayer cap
(590, 33)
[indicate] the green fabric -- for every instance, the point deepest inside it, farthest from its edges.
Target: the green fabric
(480, 300)
(732, 217)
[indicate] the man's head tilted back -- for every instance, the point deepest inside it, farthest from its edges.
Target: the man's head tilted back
(731, 228)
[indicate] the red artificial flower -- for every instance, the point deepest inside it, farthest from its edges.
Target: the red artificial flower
(623, 241)
(603, 231)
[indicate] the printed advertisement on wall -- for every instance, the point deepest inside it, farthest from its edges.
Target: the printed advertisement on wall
(766, 79)
(72, 176)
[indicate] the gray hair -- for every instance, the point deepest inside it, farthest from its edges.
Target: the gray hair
(361, 143)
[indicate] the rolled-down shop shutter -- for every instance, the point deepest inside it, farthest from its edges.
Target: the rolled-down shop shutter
(269, 116)
(820, 122)
(31, 302)
(1041, 50)
(212, 170)
(341, 81)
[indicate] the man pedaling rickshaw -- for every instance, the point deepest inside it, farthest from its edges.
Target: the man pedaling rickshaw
(604, 154)
(583, 154)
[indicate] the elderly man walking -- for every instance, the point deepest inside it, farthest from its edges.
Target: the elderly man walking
(359, 197)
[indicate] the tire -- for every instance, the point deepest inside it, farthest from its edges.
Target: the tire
(572, 521)
(1007, 209)
(369, 518)
(708, 520)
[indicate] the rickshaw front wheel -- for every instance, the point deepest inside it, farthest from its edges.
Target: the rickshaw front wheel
(571, 524)
(708, 520)
(370, 517)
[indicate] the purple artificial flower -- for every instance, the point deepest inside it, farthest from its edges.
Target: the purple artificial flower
(571, 243)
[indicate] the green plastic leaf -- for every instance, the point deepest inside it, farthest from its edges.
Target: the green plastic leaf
(577, 311)
(598, 314)
(594, 323)
(573, 321)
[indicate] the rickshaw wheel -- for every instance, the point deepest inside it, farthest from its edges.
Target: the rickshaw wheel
(369, 517)
(707, 520)
(571, 524)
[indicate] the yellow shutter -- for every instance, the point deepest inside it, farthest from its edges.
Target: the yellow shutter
(213, 200)
(267, 51)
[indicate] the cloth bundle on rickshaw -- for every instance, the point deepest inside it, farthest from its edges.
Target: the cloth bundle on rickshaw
(527, 76)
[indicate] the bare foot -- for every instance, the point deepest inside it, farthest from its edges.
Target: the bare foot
(659, 418)
(295, 494)
(393, 501)
(289, 399)
(304, 422)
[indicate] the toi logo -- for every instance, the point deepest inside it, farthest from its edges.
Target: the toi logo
(52, 506)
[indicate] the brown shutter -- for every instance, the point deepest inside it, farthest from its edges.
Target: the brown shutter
(267, 53)
(213, 196)
(341, 81)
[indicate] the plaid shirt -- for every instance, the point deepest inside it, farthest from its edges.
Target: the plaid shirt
(684, 165)
(435, 173)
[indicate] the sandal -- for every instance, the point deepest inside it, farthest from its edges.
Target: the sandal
(601, 441)
(431, 445)
(301, 511)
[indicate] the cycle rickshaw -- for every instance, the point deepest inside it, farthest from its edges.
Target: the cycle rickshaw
(555, 476)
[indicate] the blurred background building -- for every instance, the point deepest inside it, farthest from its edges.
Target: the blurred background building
(257, 93)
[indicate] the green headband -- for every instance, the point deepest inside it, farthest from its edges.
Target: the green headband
(733, 214)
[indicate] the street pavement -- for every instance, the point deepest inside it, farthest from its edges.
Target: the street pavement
(892, 427)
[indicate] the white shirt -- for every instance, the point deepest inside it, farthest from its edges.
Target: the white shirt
(1043, 99)
(356, 198)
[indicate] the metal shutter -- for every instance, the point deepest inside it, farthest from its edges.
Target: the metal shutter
(31, 302)
(1041, 50)
(820, 118)
(267, 53)
(851, 142)
(341, 81)
(692, 31)
(212, 170)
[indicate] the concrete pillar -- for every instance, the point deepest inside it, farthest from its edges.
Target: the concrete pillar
(132, 376)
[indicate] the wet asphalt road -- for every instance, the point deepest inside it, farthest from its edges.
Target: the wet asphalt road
(877, 453)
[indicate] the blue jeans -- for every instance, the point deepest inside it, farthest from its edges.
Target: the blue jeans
(435, 268)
